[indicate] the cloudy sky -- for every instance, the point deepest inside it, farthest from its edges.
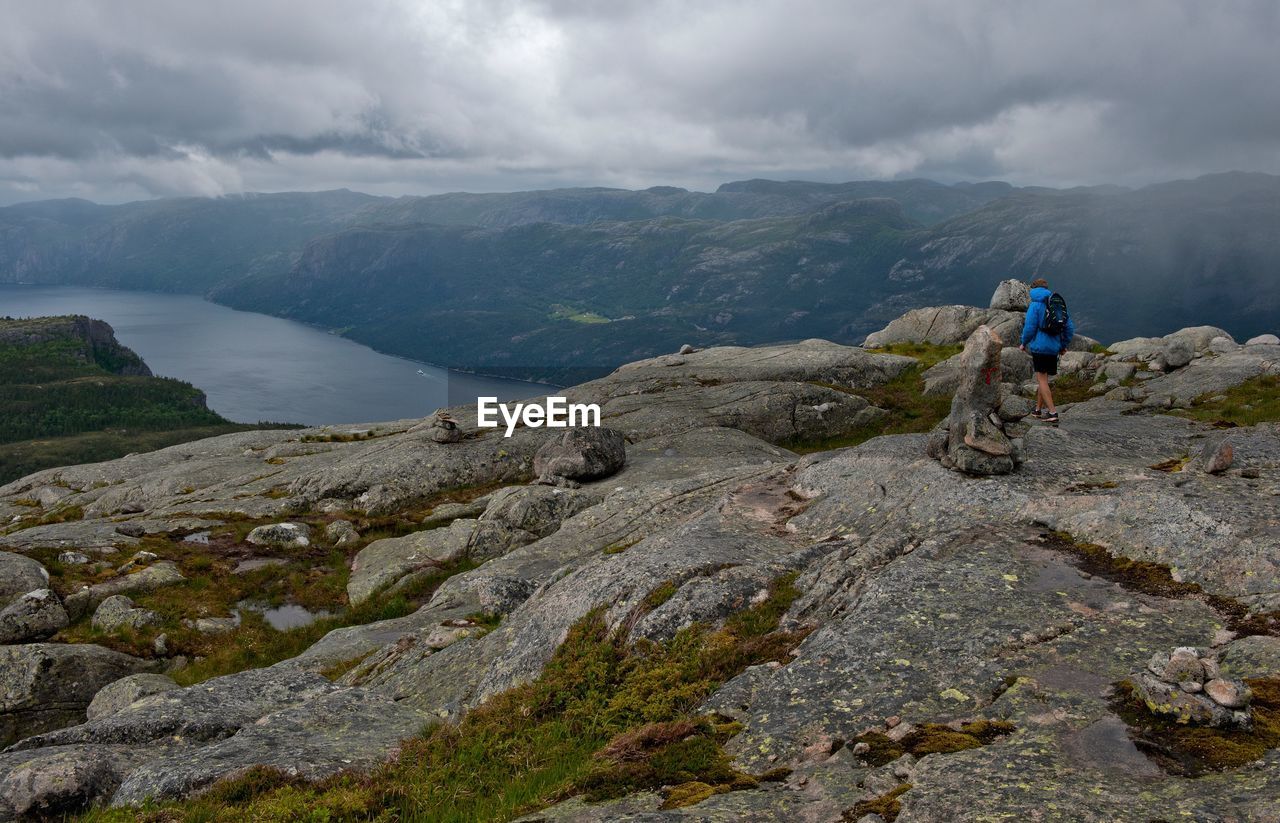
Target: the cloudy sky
(127, 100)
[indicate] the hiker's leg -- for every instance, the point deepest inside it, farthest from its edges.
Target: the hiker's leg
(1040, 402)
(1043, 380)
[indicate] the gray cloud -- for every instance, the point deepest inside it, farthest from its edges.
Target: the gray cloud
(122, 100)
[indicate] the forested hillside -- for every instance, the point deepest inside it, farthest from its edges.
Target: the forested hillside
(70, 393)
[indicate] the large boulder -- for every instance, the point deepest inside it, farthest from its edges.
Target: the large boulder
(1011, 295)
(19, 575)
(45, 686)
(1200, 336)
(1263, 340)
(590, 453)
(126, 691)
(974, 440)
(35, 615)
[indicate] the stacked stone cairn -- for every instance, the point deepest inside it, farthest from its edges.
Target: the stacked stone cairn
(983, 433)
(1186, 686)
(443, 428)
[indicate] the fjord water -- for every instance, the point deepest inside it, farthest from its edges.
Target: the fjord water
(254, 367)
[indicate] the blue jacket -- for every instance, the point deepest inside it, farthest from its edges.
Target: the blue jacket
(1036, 340)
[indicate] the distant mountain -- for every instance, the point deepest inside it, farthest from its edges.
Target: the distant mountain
(924, 201)
(195, 243)
(563, 284)
(173, 245)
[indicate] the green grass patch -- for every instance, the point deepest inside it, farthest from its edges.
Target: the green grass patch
(604, 718)
(928, 354)
(1253, 401)
(561, 312)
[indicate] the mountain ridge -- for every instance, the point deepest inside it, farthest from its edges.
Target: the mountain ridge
(498, 278)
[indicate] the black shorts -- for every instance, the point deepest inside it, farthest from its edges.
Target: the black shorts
(1045, 363)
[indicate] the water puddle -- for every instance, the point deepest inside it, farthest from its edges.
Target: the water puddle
(283, 618)
(1105, 745)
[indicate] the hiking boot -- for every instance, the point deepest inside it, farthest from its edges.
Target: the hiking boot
(1037, 413)
(1051, 418)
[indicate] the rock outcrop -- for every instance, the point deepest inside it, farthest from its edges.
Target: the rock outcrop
(48, 685)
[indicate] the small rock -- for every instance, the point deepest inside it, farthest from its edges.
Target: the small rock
(901, 772)
(891, 721)
(73, 558)
(213, 625)
(161, 644)
(1233, 694)
(1190, 686)
(1014, 408)
(341, 533)
(139, 559)
(861, 747)
(281, 535)
(1263, 340)
(131, 529)
(198, 538)
(118, 612)
(687, 349)
(1216, 457)
(1182, 665)
(1251, 472)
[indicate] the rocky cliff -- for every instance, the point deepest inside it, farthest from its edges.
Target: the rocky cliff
(740, 622)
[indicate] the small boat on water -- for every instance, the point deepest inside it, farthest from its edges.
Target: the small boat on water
(421, 372)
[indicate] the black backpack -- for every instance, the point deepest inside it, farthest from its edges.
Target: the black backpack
(1055, 315)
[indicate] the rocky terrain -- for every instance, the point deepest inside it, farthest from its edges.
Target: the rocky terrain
(1018, 640)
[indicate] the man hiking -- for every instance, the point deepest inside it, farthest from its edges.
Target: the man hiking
(1046, 334)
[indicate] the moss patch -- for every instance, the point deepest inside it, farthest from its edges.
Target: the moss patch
(886, 805)
(932, 738)
(1157, 579)
(1191, 751)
